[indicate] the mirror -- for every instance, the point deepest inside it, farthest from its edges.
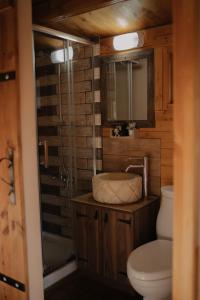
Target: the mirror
(128, 88)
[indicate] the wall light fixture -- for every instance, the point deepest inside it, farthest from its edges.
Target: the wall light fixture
(128, 41)
(62, 55)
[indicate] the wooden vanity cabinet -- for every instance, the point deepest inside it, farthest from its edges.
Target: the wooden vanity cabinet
(106, 234)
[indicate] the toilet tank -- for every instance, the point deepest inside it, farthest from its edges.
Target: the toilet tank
(164, 219)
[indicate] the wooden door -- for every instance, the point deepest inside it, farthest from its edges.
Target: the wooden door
(13, 268)
(109, 236)
(186, 18)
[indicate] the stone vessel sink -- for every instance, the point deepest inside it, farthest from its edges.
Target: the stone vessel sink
(117, 188)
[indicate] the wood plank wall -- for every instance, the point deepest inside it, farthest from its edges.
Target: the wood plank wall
(159, 139)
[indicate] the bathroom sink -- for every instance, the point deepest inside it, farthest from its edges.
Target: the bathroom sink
(117, 188)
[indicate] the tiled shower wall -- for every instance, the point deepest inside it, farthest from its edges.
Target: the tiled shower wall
(55, 203)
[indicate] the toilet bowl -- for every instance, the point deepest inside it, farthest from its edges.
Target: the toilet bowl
(149, 267)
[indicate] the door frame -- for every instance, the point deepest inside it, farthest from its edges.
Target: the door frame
(29, 150)
(186, 149)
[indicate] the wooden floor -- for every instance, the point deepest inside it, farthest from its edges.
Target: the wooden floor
(76, 287)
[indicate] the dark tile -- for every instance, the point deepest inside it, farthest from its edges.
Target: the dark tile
(51, 171)
(53, 150)
(47, 90)
(97, 108)
(46, 70)
(96, 84)
(47, 131)
(99, 153)
(96, 61)
(52, 228)
(50, 189)
(50, 209)
(49, 110)
(98, 131)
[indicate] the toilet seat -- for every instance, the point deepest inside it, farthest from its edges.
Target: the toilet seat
(151, 261)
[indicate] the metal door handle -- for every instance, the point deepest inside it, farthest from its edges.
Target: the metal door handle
(11, 182)
(106, 218)
(125, 221)
(96, 215)
(80, 215)
(45, 162)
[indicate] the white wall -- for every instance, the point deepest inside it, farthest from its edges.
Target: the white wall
(29, 150)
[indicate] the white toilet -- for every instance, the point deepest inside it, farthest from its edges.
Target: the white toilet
(149, 267)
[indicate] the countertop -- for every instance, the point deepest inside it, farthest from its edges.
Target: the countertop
(88, 199)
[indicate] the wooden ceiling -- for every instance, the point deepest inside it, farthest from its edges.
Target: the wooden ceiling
(101, 18)
(47, 43)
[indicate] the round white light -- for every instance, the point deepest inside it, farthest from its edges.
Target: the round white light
(61, 55)
(127, 41)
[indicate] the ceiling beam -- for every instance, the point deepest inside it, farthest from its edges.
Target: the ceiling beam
(61, 9)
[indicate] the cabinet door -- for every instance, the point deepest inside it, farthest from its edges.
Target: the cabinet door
(87, 237)
(93, 239)
(124, 243)
(109, 237)
(117, 233)
(80, 234)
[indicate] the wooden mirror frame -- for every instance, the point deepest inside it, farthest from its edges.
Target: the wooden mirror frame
(131, 55)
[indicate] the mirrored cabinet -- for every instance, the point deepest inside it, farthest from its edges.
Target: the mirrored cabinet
(127, 87)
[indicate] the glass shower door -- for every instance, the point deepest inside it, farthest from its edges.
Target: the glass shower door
(55, 147)
(66, 139)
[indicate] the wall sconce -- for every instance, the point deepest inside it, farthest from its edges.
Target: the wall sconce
(62, 55)
(128, 41)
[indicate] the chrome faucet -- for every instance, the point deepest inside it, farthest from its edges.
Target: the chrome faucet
(144, 166)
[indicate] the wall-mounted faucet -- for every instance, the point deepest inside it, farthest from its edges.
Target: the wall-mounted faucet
(144, 166)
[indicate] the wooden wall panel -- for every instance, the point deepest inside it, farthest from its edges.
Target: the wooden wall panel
(118, 153)
(153, 38)
(162, 135)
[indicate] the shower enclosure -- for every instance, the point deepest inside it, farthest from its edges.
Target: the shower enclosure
(66, 142)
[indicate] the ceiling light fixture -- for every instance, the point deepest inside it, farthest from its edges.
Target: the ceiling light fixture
(122, 22)
(128, 41)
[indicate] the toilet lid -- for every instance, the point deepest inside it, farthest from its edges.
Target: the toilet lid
(152, 261)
